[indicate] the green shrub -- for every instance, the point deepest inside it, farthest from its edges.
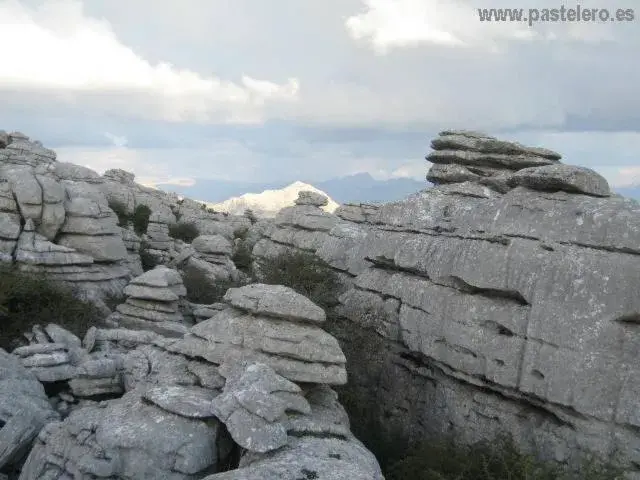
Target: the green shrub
(140, 219)
(250, 214)
(30, 299)
(200, 289)
(242, 258)
(306, 274)
(112, 300)
(120, 209)
(147, 259)
(185, 231)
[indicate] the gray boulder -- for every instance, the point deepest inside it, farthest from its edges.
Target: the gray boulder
(567, 178)
(24, 409)
(130, 439)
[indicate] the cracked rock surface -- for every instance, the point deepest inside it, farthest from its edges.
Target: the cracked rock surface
(505, 297)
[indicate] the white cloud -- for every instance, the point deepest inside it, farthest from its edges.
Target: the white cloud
(56, 47)
(389, 24)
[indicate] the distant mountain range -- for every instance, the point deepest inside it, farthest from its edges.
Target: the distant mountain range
(269, 202)
(631, 192)
(358, 188)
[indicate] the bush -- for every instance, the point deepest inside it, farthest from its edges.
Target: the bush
(242, 258)
(120, 209)
(306, 274)
(140, 219)
(250, 214)
(200, 289)
(185, 231)
(147, 259)
(30, 299)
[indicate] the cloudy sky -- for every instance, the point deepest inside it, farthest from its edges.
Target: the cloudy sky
(259, 90)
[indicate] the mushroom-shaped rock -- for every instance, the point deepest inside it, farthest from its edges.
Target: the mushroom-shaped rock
(153, 303)
(268, 324)
(275, 301)
(567, 178)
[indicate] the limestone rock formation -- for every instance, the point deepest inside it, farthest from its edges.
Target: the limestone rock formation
(130, 438)
(210, 257)
(461, 156)
(167, 397)
(24, 409)
(43, 201)
(503, 301)
(145, 396)
(319, 445)
(272, 325)
(303, 227)
(254, 407)
(153, 303)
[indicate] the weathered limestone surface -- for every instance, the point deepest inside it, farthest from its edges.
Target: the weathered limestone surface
(24, 409)
(303, 227)
(145, 398)
(128, 438)
(283, 335)
(55, 220)
(154, 301)
(317, 442)
(504, 300)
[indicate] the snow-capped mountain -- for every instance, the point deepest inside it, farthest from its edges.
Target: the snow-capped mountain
(267, 203)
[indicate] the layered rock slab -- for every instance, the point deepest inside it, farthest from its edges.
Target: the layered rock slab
(284, 336)
(153, 303)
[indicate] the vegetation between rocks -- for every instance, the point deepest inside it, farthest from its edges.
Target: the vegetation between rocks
(306, 274)
(29, 299)
(139, 218)
(185, 231)
(147, 259)
(201, 289)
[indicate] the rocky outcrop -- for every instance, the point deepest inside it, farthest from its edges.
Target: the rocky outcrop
(24, 409)
(130, 438)
(303, 227)
(500, 301)
(54, 219)
(135, 404)
(254, 406)
(209, 256)
(153, 303)
(273, 325)
(289, 433)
